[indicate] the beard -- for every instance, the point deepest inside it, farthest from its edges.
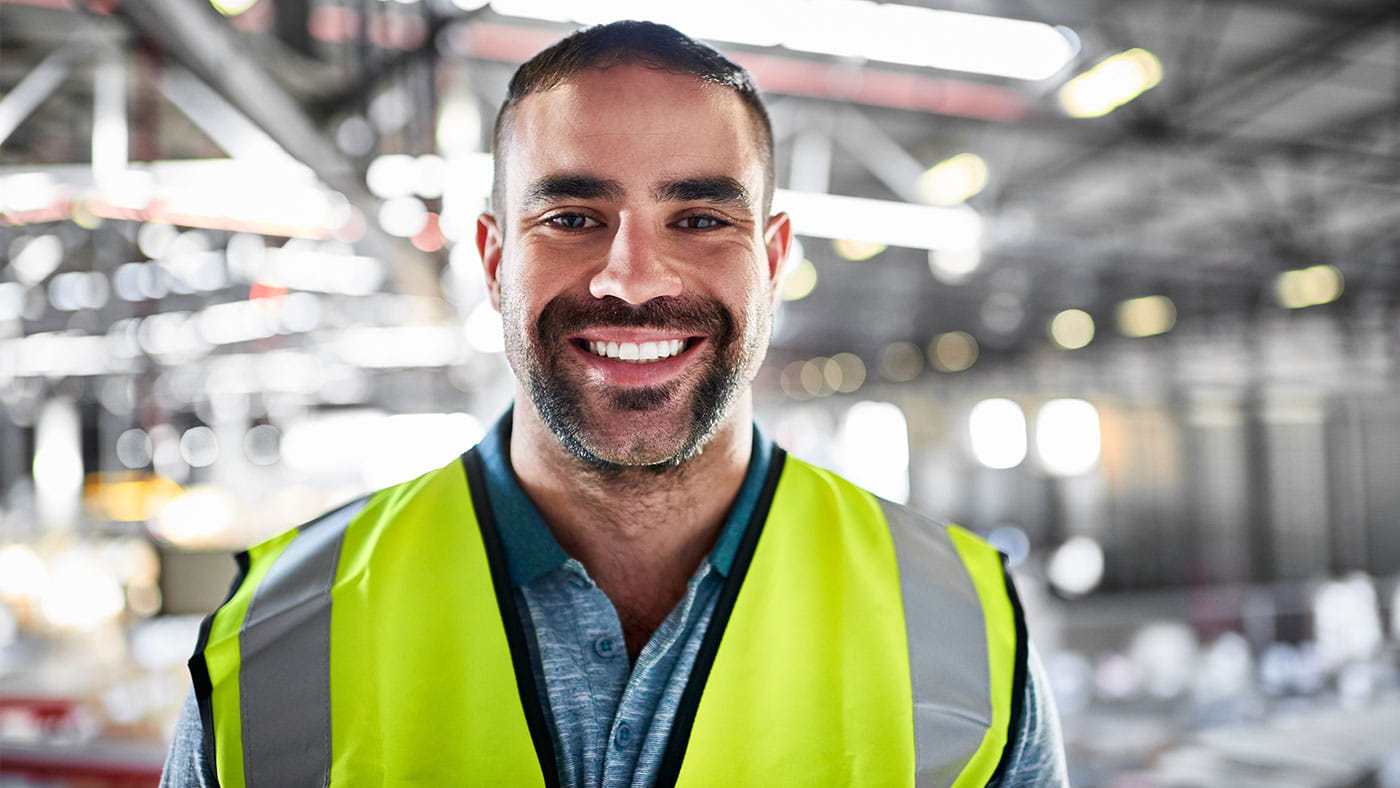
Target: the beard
(557, 391)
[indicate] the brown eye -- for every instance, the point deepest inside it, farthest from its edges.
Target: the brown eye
(571, 221)
(702, 222)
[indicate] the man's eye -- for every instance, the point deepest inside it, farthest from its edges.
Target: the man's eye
(702, 221)
(571, 221)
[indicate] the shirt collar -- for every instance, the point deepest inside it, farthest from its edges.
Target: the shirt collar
(531, 550)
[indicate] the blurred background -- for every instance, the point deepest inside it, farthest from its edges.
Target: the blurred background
(1114, 284)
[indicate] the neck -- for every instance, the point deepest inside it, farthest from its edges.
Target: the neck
(640, 532)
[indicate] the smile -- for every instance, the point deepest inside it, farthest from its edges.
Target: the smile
(637, 352)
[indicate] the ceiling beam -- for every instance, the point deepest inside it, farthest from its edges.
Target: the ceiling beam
(197, 37)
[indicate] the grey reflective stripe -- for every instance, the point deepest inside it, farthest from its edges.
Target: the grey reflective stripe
(286, 718)
(948, 660)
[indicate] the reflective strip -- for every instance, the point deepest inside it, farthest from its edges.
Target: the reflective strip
(947, 648)
(1005, 650)
(221, 659)
(284, 681)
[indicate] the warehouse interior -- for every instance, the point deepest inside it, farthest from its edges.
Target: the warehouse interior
(1115, 285)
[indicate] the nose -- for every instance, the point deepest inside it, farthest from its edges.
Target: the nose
(637, 269)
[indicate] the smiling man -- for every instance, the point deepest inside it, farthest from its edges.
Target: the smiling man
(625, 583)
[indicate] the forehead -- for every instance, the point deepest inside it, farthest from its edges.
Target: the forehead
(635, 125)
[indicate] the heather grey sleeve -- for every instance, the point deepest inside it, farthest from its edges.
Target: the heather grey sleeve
(1037, 752)
(186, 766)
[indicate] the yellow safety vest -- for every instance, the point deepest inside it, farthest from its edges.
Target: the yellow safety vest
(854, 643)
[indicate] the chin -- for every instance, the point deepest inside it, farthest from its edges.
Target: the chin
(654, 446)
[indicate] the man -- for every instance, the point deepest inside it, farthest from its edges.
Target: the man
(625, 583)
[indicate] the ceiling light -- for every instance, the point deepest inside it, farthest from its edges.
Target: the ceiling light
(800, 281)
(1320, 284)
(954, 179)
(813, 377)
(1067, 437)
(890, 32)
(1076, 567)
(1072, 329)
(845, 372)
(1146, 316)
(857, 251)
(874, 449)
(881, 221)
(392, 175)
(997, 428)
(232, 7)
(953, 266)
(900, 362)
(953, 351)
(1111, 84)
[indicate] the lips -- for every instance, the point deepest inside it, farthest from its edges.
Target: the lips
(632, 345)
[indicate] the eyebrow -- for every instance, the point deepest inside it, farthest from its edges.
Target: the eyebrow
(716, 189)
(719, 189)
(570, 187)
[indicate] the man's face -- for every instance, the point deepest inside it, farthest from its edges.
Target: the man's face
(631, 262)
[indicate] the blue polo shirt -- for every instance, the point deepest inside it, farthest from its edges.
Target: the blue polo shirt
(611, 719)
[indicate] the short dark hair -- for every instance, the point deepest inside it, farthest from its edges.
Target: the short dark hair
(656, 46)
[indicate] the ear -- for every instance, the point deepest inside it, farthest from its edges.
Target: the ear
(488, 245)
(777, 240)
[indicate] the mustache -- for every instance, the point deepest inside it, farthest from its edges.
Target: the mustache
(568, 314)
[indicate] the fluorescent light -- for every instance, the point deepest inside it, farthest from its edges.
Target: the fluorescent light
(1111, 84)
(302, 265)
(401, 346)
(958, 41)
(891, 32)
(881, 221)
(874, 447)
(1067, 438)
(997, 428)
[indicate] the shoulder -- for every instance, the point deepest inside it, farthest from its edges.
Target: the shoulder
(914, 532)
(383, 504)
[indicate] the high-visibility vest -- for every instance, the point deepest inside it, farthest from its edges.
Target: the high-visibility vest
(853, 643)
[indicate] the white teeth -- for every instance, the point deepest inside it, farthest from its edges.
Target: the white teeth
(637, 353)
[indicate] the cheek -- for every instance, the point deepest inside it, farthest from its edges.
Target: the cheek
(523, 291)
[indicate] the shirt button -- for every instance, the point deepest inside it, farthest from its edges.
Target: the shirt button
(605, 647)
(623, 736)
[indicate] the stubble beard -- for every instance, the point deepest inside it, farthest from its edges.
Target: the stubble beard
(544, 365)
